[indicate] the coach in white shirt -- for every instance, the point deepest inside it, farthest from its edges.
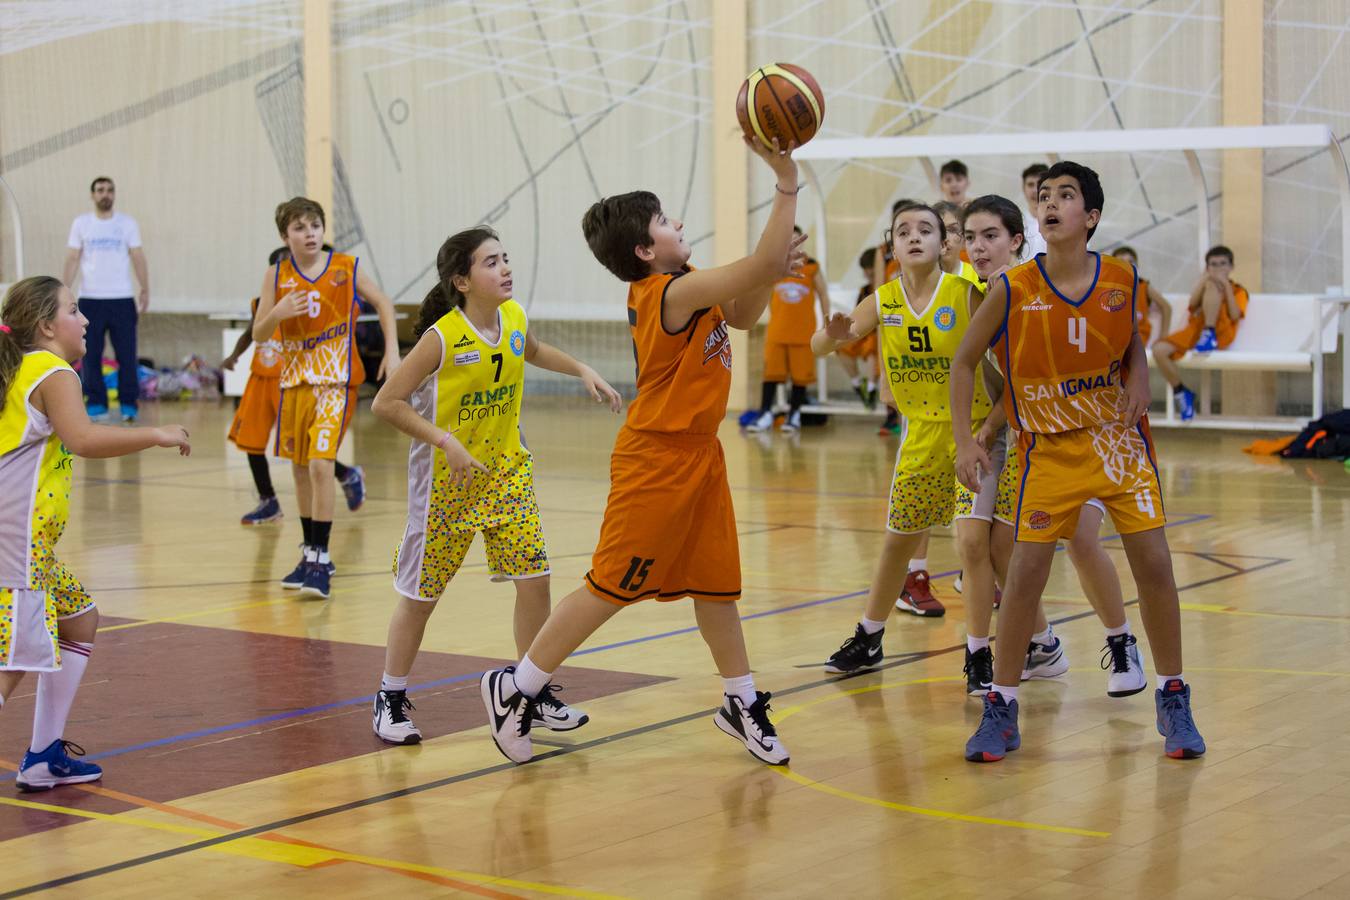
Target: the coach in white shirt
(104, 247)
(1031, 187)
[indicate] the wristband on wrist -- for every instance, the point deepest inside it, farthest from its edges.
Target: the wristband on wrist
(789, 193)
(445, 439)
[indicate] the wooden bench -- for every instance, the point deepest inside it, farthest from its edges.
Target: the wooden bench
(1280, 333)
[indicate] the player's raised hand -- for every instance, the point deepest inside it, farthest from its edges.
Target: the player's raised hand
(972, 462)
(462, 464)
(839, 326)
(600, 389)
(173, 436)
(779, 159)
(294, 304)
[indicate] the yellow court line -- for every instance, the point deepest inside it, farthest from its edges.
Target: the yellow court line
(901, 807)
(192, 615)
(1230, 611)
(299, 855)
(1243, 671)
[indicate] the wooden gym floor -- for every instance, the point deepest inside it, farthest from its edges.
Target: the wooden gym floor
(232, 719)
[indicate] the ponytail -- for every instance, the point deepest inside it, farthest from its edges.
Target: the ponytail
(454, 258)
(28, 304)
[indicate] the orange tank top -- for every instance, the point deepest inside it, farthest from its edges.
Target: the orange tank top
(1064, 357)
(1141, 308)
(684, 378)
(792, 309)
(317, 346)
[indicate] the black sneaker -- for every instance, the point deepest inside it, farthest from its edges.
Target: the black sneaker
(296, 579)
(751, 726)
(389, 718)
(860, 653)
(979, 671)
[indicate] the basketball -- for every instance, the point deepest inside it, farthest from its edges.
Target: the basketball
(780, 101)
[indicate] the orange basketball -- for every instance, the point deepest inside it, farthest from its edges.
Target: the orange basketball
(780, 101)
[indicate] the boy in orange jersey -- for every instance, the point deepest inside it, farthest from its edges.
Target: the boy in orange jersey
(1063, 327)
(669, 529)
(1216, 306)
(859, 359)
(787, 342)
(1148, 298)
(312, 297)
(256, 416)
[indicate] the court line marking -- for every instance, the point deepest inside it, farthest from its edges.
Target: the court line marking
(454, 679)
(265, 850)
(508, 766)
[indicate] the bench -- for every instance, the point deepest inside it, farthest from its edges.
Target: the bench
(1280, 333)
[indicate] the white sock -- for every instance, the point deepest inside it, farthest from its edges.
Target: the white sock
(530, 679)
(1009, 693)
(1044, 637)
(920, 564)
(323, 557)
(871, 385)
(310, 554)
(742, 687)
(974, 643)
(1163, 679)
(872, 626)
(393, 682)
(857, 380)
(56, 694)
(1124, 629)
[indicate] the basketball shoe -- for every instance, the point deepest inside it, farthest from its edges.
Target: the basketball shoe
(510, 714)
(317, 580)
(53, 767)
(751, 726)
(1120, 657)
(997, 735)
(553, 714)
(860, 653)
(267, 510)
(917, 597)
(979, 671)
(1181, 738)
(389, 718)
(1185, 403)
(1208, 343)
(354, 488)
(1045, 660)
(794, 422)
(763, 422)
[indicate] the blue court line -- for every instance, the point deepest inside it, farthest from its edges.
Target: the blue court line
(468, 676)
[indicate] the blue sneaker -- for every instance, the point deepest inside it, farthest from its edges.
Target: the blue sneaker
(268, 510)
(54, 767)
(296, 578)
(1208, 343)
(1183, 740)
(317, 575)
(354, 488)
(1185, 404)
(129, 415)
(97, 413)
(997, 735)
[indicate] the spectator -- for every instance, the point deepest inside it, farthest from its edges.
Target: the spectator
(955, 180)
(1031, 226)
(104, 246)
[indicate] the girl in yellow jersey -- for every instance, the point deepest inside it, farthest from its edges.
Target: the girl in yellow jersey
(458, 396)
(921, 317)
(47, 620)
(984, 519)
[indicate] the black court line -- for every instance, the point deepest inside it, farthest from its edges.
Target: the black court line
(507, 766)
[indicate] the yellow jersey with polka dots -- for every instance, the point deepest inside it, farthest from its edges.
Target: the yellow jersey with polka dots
(475, 395)
(35, 474)
(918, 347)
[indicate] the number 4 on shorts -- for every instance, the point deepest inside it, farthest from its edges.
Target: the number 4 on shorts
(637, 574)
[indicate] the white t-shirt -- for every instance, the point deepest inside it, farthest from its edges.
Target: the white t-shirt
(105, 263)
(1032, 235)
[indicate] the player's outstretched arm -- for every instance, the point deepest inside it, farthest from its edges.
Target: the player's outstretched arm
(971, 459)
(722, 285)
(745, 311)
(840, 329)
(60, 399)
(384, 308)
(547, 356)
(391, 404)
(245, 338)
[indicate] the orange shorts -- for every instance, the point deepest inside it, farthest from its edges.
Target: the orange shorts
(795, 361)
(313, 420)
(1224, 330)
(1060, 472)
(669, 528)
(257, 414)
(862, 348)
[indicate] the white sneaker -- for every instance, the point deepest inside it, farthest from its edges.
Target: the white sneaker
(751, 726)
(553, 714)
(956, 583)
(1045, 660)
(794, 422)
(763, 423)
(510, 714)
(1120, 657)
(390, 720)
